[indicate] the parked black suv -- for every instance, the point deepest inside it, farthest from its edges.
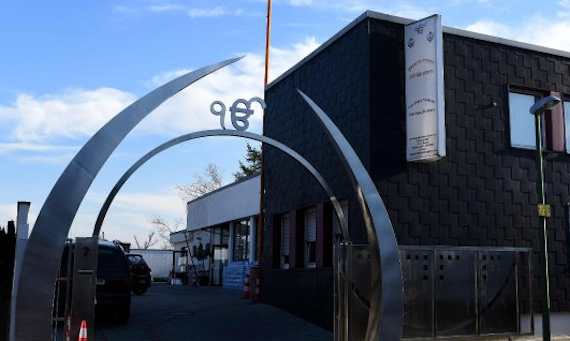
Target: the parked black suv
(113, 283)
(113, 293)
(140, 273)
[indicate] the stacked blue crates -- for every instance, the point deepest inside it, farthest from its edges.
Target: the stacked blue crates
(234, 274)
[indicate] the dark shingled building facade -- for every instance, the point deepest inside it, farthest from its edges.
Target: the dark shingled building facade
(483, 193)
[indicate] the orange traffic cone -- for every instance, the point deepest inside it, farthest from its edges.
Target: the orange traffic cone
(83, 331)
(245, 293)
(257, 296)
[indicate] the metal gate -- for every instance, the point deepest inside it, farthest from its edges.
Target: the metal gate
(462, 292)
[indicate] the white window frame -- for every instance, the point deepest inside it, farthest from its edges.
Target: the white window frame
(520, 118)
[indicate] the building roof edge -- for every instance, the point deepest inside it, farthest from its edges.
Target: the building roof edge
(249, 177)
(405, 21)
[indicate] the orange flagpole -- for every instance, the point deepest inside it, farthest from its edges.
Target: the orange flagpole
(267, 41)
(261, 196)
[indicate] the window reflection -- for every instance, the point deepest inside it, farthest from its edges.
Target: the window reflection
(521, 120)
(241, 241)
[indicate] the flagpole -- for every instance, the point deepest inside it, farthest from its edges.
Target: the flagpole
(267, 41)
(261, 195)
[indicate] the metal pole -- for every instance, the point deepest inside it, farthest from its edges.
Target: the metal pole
(260, 223)
(544, 282)
(267, 41)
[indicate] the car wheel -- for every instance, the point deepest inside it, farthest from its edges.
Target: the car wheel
(139, 290)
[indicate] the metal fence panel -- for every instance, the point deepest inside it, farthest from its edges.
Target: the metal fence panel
(418, 273)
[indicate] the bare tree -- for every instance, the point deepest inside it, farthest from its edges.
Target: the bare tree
(208, 182)
(203, 183)
(148, 241)
(164, 228)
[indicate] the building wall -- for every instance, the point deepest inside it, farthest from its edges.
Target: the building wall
(481, 194)
(235, 201)
(337, 79)
(159, 261)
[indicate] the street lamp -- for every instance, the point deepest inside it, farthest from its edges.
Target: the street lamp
(537, 109)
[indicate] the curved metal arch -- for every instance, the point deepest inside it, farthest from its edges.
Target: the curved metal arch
(35, 288)
(219, 132)
(386, 298)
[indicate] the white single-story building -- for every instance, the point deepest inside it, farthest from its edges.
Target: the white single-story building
(159, 261)
(220, 234)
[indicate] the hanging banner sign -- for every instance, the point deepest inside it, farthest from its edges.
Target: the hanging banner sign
(425, 112)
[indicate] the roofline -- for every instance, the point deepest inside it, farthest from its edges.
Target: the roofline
(249, 177)
(406, 21)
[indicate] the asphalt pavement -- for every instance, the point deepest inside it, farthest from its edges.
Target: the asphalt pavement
(177, 313)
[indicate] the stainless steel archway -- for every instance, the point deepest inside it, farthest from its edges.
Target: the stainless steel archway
(218, 132)
(386, 295)
(34, 289)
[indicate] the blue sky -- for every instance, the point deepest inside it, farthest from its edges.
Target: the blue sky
(69, 66)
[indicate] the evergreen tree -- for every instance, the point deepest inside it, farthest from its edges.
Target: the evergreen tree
(252, 163)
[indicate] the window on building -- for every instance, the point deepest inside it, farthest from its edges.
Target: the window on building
(337, 233)
(285, 226)
(241, 241)
(225, 234)
(311, 238)
(522, 122)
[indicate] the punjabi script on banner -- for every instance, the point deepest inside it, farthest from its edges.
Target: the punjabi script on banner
(425, 113)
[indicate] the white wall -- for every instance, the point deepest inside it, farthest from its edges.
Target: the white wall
(235, 201)
(159, 261)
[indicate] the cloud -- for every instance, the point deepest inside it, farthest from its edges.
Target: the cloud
(150, 204)
(193, 12)
(48, 123)
(165, 8)
(130, 213)
(536, 30)
(8, 212)
(212, 12)
(24, 146)
(53, 159)
(408, 11)
(190, 110)
(126, 10)
(398, 8)
(73, 114)
(491, 28)
(344, 5)
(357, 6)
(283, 59)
